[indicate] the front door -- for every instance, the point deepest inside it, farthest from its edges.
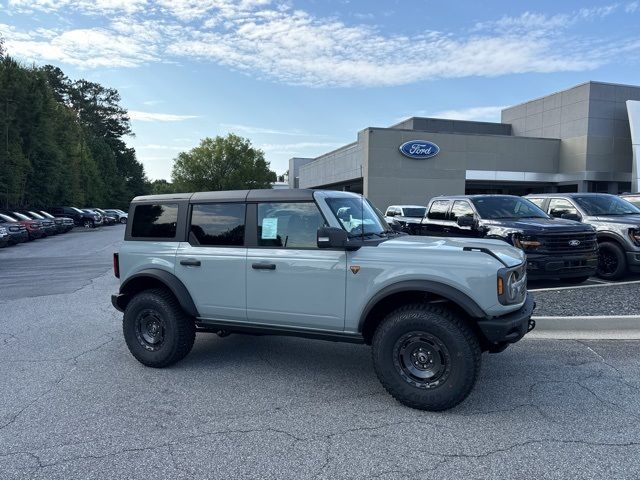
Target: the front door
(212, 263)
(290, 282)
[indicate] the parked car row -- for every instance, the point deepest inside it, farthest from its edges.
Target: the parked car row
(568, 236)
(22, 225)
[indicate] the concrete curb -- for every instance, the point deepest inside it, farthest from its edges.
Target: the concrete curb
(615, 327)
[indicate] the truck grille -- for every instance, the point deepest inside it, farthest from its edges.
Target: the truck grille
(569, 242)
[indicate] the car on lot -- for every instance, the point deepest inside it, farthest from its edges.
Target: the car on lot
(79, 217)
(17, 231)
(120, 216)
(107, 219)
(555, 248)
(4, 237)
(48, 225)
(406, 218)
(632, 198)
(63, 224)
(617, 224)
(33, 227)
(324, 265)
(98, 219)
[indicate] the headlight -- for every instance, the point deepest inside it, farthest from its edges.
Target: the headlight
(512, 284)
(525, 242)
(634, 234)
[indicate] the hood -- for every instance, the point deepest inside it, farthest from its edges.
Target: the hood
(507, 254)
(632, 220)
(539, 225)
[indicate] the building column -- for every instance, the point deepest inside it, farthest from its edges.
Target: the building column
(633, 109)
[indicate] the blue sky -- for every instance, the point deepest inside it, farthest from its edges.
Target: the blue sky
(299, 78)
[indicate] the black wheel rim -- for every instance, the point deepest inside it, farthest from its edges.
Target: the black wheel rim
(150, 330)
(422, 359)
(607, 262)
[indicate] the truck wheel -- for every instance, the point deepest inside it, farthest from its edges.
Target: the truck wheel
(123, 220)
(426, 357)
(89, 224)
(612, 263)
(157, 331)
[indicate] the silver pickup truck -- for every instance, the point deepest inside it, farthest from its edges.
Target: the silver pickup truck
(323, 265)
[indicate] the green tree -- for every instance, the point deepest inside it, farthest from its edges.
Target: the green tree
(222, 163)
(158, 187)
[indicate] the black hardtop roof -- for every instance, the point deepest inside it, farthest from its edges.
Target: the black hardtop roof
(290, 195)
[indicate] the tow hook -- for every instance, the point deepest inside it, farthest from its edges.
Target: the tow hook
(532, 325)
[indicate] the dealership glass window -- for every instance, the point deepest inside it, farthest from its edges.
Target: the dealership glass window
(155, 221)
(460, 209)
(290, 225)
(217, 224)
(438, 210)
(559, 207)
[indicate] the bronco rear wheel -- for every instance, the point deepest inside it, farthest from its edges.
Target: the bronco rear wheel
(157, 331)
(426, 357)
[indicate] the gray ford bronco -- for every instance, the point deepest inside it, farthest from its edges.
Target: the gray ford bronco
(324, 265)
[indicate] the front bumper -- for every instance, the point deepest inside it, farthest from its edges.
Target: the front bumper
(561, 266)
(118, 301)
(18, 237)
(501, 331)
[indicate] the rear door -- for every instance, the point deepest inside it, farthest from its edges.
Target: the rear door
(212, 263)
(437, 223)
(290, 282)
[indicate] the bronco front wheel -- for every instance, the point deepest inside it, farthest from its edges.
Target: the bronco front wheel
(426, 357)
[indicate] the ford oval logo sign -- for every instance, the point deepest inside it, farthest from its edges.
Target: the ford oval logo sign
(419, 149)
(574, 243)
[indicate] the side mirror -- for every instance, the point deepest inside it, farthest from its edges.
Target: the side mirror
(466, 221)
(332, 237)
(571, 216)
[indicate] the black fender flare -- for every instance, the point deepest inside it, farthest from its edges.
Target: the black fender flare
(170, 281)
(427, 286)
(607, 235)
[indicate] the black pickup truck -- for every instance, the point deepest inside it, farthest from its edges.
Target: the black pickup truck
(555, 247)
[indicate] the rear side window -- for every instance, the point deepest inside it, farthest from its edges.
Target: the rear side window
(217, 224)
(536, 201)
(438, 210)
(290, 225)
(559, 207)
(155, 221)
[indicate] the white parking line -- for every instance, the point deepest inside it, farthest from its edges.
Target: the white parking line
(601, 284)
(618, 327)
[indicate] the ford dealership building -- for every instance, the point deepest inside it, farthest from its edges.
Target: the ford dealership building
(584, 139)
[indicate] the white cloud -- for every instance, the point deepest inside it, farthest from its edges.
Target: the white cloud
(632, 7)
(232, 127)
(269, 39)
(158, 117)
(480, 114)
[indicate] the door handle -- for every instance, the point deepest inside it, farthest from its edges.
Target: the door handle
(190, 262)
(263, 266)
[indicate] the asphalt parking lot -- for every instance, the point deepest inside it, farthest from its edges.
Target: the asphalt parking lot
(75, 404)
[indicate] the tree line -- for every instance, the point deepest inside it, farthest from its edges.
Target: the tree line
(61, 141)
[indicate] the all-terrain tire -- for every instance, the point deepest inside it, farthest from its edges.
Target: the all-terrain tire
(612, 261)
(446, 339)
(156, 329)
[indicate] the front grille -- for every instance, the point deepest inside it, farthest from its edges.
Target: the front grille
(567, 242)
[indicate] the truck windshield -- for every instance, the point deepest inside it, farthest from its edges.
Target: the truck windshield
(414, 212)
(605, 205)
(357, 216)
(494, 208)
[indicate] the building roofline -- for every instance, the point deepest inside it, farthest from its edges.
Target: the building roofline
(570, 88)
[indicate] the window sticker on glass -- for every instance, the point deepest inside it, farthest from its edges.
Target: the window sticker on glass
(269, 228)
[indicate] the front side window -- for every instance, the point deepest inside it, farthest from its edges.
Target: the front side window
(439, 209)
(559, 207)
(495, 208)
(357, 216)
(217, 224)
(460, 209)
(289, 225)
(605, 205)
(155, 221)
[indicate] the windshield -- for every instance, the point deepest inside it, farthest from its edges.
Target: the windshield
(494, 208)
(77, 209)
(34, 214)
(414, 211)
(7, 218)
(48, 215)
(357, 216)
(605, 205)
(21, 216)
